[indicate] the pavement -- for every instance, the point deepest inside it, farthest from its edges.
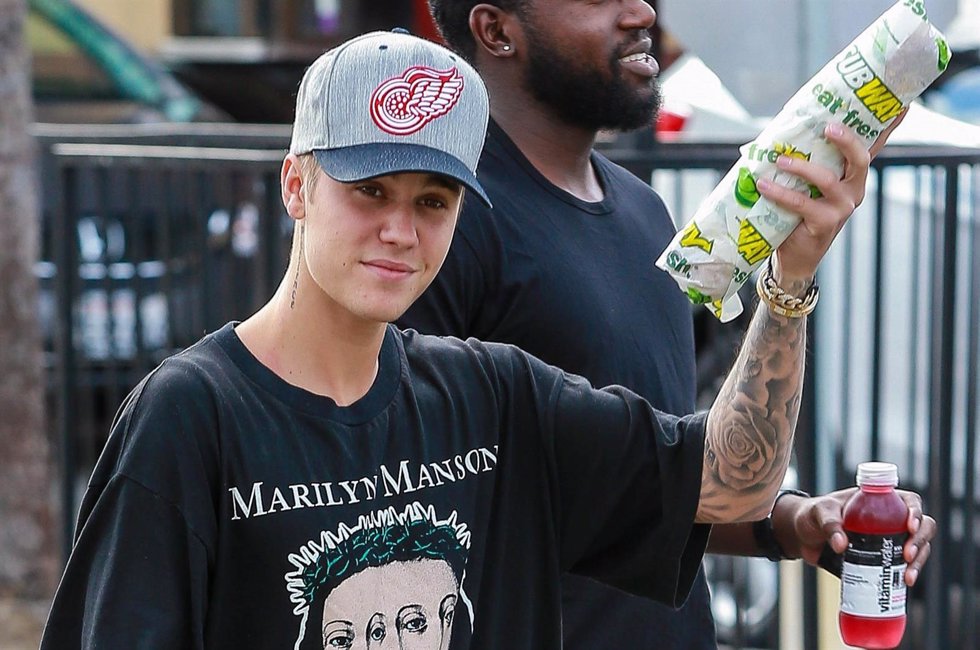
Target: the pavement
(21, 623)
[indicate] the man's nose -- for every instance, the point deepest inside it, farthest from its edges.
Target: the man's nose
(399, 227)
(638, 14)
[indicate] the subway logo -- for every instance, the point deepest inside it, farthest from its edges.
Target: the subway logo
(867, 86)
(752, 246)
(691, 237)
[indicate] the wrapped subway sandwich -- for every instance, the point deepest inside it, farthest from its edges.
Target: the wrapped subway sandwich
(865, 87)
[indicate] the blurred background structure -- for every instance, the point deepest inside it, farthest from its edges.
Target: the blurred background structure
(145, 212)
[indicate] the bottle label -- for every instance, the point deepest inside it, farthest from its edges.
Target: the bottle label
(873, 578)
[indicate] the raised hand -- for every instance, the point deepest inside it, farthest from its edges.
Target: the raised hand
(822, 217)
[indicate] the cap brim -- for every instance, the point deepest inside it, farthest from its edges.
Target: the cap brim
(359, 162)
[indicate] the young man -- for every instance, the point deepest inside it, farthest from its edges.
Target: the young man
(313, 477)
(562, 266)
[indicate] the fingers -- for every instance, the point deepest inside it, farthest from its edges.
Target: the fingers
(883, 138)
(824, 212)
(823, 523)
(830, 514)
(914, 503)
(918, 549)
(840, 188)
(822, 217)
(857, 158)
(823, 178)
(922, 528)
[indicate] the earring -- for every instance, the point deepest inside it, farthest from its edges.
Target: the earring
(506, 48)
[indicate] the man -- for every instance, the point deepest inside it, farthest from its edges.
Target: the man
(562, 265)
(242, 474)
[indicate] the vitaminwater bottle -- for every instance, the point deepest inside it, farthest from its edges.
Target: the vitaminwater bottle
(872, 613)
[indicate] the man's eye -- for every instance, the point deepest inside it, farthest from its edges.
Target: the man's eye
(435, 204)
(370, 190)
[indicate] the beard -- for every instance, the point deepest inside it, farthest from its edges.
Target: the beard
(591, 98)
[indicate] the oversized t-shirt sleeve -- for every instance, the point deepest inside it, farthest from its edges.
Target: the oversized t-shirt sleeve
(138, 573)
(628, 479)
(137, 577)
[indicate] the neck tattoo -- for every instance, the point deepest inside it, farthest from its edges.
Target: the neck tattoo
(299, 259)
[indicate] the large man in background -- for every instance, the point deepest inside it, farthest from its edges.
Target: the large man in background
(556, 267)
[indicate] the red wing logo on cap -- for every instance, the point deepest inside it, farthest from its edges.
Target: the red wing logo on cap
(403, 105)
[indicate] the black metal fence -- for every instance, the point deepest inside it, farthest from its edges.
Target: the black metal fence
(897, 367)
(154, 235)
(146, 246)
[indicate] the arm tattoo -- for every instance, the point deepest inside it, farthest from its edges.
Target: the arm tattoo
(750, 430)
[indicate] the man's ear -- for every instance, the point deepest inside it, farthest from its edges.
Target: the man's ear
(495, 31)
(291, 183)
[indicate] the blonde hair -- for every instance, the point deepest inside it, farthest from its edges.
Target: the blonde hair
(309, 170)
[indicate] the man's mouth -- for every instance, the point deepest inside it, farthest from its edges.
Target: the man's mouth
(390, 269)
(640, 63)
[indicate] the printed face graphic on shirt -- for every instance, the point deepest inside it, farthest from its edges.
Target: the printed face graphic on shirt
(393, 581)
(406, 605)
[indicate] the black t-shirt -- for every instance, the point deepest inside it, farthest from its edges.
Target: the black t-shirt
(233, 510)
(574, 283)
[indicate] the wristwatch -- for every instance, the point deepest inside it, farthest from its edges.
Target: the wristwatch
(764, 536)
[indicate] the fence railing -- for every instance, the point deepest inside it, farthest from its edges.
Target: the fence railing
(152, 236)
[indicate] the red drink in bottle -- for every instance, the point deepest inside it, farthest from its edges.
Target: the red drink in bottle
(873, 591)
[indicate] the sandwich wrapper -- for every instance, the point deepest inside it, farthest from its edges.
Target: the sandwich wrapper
(865, 87)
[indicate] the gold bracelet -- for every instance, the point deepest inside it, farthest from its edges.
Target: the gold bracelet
(781, 302)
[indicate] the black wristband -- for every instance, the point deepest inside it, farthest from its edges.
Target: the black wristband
(766, 540)
(830, 561)
(764, 536)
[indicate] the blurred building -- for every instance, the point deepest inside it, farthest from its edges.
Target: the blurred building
(247, 56)
(147, 29)
(765, 50)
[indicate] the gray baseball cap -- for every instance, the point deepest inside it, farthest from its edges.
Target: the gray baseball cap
(389, 102)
